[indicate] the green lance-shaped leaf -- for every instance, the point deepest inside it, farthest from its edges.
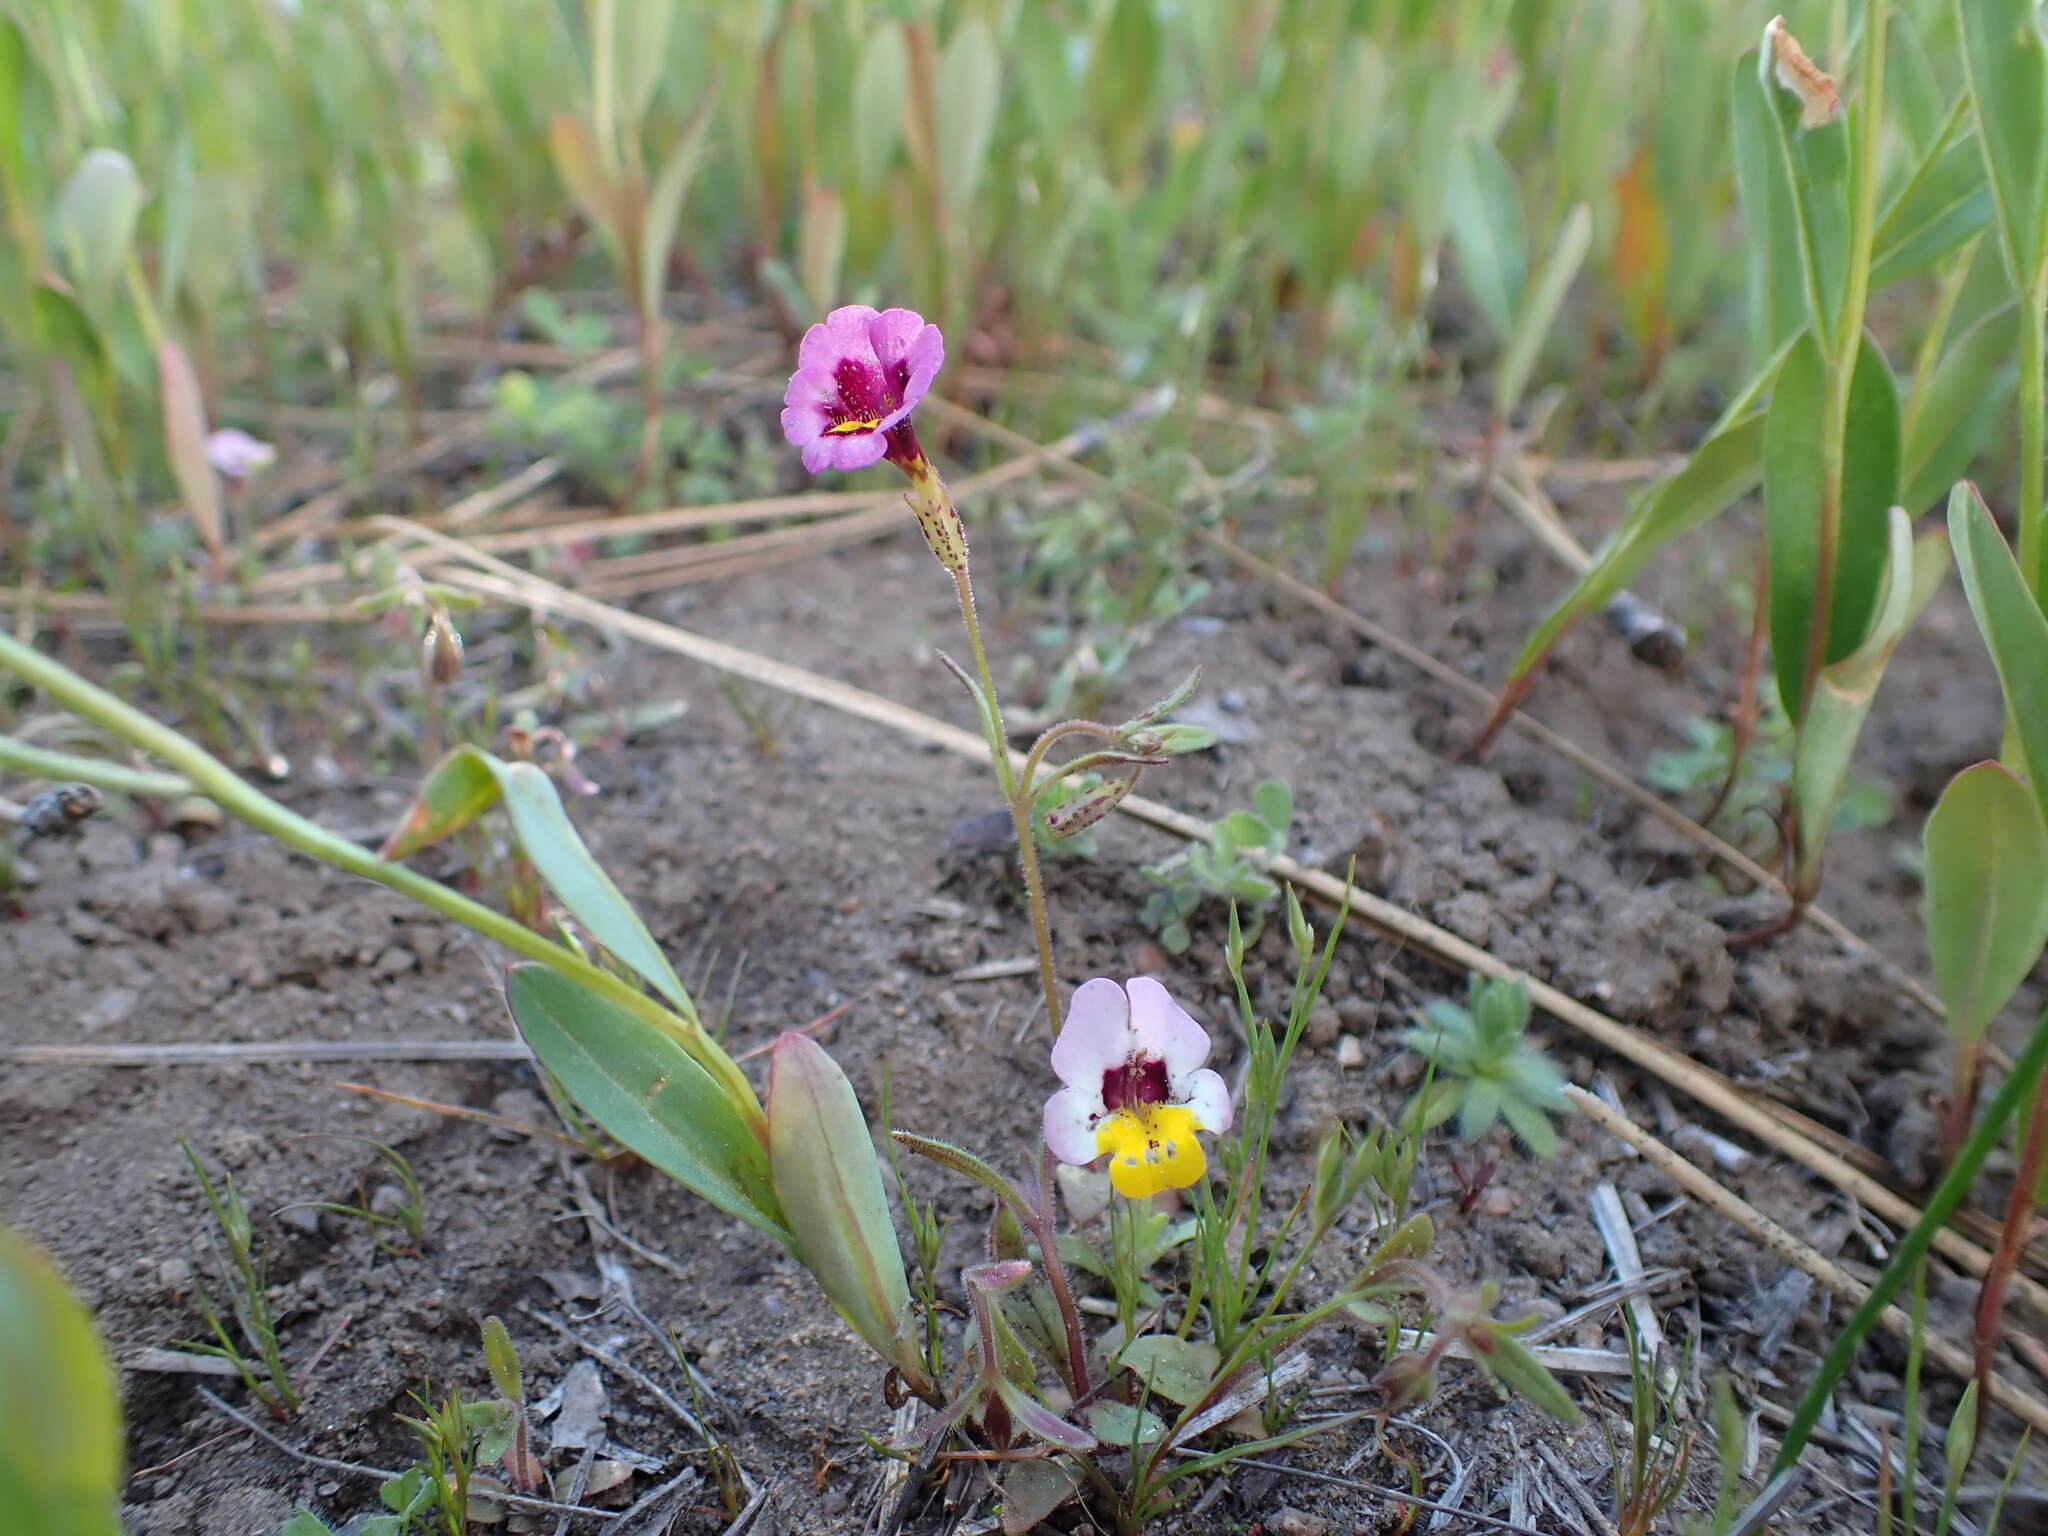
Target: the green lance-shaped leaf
(1722, 470)
(60, 1411)
(1794, 470)
(1487, 232)
(648, 1093)
(94, 218)
(665, 203)
(1777, 283)
(1793, 481)
(1870, 487)
(1518, 1368)
(1843, 692)
(1944, 203)
(2013, 627)
(880, 85)
(829, 1181)
(1986, 893)
(2008, 80)
(969, 90)
(1953, 413)
(1813, 142)
(467, 782)
(1539, 311)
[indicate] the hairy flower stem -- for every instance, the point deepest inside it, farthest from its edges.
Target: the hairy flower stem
(1017, 793)
(1056, 1275)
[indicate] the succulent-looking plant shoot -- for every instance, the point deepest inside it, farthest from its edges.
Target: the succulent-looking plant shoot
(1136, 1089)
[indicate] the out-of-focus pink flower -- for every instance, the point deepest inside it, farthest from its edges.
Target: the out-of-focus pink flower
(236, 454)
(859, 375)
(1131, 1059)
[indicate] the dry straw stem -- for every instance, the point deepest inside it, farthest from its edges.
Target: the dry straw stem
(1784, 1245)
(1459, 684)
(505, 583)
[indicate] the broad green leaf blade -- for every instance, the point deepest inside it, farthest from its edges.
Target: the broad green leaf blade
(1722, 470)
(2012, 624)
(464, 784)
(648, 1093)
(1843, 692)
(185, 444)
(1954, 413)
(94, 218)
(60, 1411)
(551, 841)
(1179, 1370)
(1777, 288)
(1032, 1490)
(1793, 477)
(2008, 82)
(1870, 487)
(1986, 893)
(969, 89)
(1487, 232)
(829, 1182)
(665, 203)
(1539, 311)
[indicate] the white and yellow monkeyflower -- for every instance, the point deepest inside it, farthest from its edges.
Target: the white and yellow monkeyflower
(1136, 1090)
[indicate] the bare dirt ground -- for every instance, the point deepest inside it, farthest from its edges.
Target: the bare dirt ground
(835, 869)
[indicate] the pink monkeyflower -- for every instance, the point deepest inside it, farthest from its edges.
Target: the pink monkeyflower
(1136, 1089)
(859, 375)
(236, 454)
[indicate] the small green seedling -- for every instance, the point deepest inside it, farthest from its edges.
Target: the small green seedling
(406, 1216)
(241, 1271)
(1220, 869)
(457, 1435)
(522, 1467)
(1484, 1067)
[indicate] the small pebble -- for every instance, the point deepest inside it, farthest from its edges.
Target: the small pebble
(1289, 1521)
(1349, 1052)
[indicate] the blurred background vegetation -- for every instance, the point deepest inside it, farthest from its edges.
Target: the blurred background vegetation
(1352, 235)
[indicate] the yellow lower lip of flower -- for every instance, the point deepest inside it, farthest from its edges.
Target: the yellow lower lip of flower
(1151, 1147)
(841, 429)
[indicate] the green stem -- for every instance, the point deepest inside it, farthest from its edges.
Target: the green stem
(41, 763)
(1017, 793)
(227, 789)
(1911, 1249)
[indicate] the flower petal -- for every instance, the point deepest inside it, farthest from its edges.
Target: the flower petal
(842, 334)
(1070, 1119)
(1096, 1036)
(1166, 1030)
(926, 355)
(1207, 1096)
(851, 450)
(892, 332)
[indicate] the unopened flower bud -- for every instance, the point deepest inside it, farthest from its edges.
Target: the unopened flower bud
(1407, 1379)
(442, 649)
